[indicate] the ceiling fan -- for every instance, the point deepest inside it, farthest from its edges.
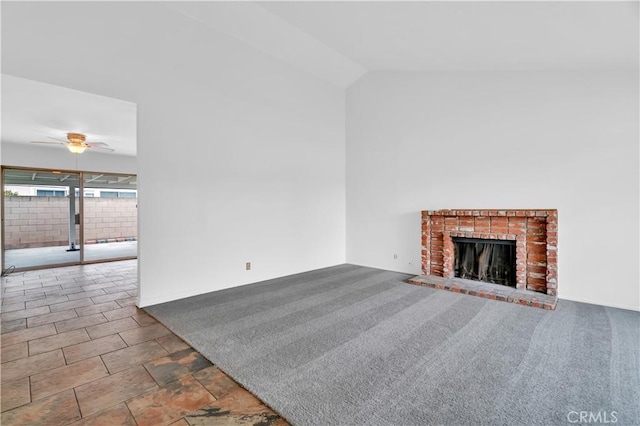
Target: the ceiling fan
(76, 143)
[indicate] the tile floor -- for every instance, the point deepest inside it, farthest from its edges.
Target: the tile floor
(76, 350)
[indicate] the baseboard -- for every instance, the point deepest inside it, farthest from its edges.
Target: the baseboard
(150, 301)
(608, 305)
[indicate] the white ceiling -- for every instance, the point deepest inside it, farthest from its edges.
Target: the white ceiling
(33, 111)
(339, 41)
(477, 35)
(266, 31)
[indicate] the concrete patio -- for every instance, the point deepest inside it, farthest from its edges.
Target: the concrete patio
(30, 257)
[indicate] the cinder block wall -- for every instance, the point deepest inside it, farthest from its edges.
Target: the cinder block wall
(44, 221)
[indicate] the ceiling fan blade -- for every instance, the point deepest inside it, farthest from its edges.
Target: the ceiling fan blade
(76, 141)
(49, 143)
(101, 147)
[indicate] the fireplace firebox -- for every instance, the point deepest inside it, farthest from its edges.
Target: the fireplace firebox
(492, 261)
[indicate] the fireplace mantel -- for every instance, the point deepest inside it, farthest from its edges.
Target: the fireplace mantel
(534, 231)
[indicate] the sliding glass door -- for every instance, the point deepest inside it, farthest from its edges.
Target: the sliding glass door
(54, 218)
(40, 218)
(110, 216)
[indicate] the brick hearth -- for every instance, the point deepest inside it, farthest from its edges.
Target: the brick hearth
(534, 231)
(488, 291)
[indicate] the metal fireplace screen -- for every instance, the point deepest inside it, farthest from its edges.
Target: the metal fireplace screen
(492, 261)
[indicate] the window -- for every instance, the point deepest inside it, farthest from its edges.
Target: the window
(49, 193)
(117, 194)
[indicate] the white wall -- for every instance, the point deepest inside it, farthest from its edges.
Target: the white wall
(257, 148)
(508, 140)
(253, 147)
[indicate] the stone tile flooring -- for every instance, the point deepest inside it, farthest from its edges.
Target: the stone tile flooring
(487, 291)
(76, 350)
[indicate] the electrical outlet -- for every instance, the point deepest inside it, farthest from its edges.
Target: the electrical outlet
(248, 266)
(395, 255)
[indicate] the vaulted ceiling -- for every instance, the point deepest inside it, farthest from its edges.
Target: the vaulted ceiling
(472, 35)
(339, 42)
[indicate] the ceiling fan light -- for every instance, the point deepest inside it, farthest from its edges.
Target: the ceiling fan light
(76, 149)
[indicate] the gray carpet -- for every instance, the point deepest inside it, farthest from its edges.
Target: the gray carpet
(357, 346)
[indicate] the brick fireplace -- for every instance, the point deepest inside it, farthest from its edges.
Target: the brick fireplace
(535, 233)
